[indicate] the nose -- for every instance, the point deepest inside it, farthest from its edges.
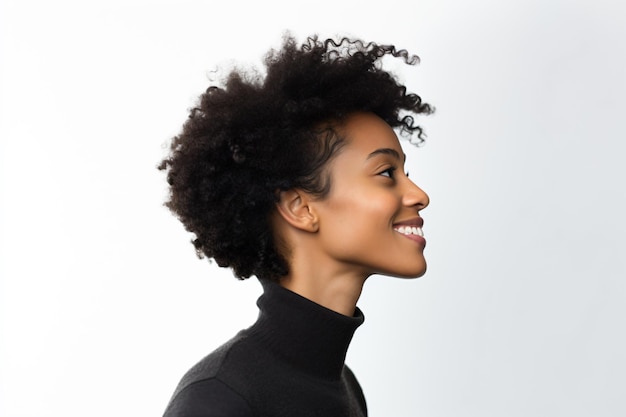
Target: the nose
(414, 196)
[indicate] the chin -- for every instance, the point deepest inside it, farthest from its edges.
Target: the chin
(415, 276)
(407, 273)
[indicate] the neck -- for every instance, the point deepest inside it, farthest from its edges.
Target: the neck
(315, 275)
(339, 293)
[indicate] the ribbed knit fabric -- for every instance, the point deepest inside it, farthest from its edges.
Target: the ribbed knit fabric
(290, 363)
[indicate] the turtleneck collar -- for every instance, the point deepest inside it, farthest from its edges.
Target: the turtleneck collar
(303, 333)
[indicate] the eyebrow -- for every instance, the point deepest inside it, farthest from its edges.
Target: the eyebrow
(386, 151)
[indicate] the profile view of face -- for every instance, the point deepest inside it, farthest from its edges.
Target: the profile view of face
(369, 222)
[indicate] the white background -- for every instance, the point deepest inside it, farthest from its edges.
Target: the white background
(523, 311)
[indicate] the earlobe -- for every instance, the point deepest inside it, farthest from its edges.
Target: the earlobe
(293, 206)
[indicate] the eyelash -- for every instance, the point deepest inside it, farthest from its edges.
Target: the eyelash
(391, 172)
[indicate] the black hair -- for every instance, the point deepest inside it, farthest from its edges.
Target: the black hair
(255, 136)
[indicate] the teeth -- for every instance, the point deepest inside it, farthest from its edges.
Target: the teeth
(408, 230)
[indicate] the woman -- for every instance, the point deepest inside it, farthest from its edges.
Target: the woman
(298, 179)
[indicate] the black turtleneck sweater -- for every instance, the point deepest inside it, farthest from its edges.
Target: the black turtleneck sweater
(289, 363)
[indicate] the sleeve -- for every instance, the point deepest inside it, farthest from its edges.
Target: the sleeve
(208, 398)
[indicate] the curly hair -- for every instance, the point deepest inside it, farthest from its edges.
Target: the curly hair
(256, 136)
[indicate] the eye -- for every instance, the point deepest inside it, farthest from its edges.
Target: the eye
(389, 172)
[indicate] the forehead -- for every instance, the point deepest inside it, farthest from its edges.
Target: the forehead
(366, 133)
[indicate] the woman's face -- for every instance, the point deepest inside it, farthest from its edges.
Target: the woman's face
(369, 222)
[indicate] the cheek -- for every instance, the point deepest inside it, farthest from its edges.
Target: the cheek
(378, 207)
(363, 212)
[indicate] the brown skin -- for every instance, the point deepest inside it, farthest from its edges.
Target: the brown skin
(333, 244)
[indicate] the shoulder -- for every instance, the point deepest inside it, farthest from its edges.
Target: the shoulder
(208, 398)
(202, 393)
(208, 367)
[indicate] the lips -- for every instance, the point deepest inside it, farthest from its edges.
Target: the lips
(411, 228)
(414, 222)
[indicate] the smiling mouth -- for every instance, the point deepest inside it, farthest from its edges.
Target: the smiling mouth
(410, 230)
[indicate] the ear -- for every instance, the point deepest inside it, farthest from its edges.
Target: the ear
(293, 206)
